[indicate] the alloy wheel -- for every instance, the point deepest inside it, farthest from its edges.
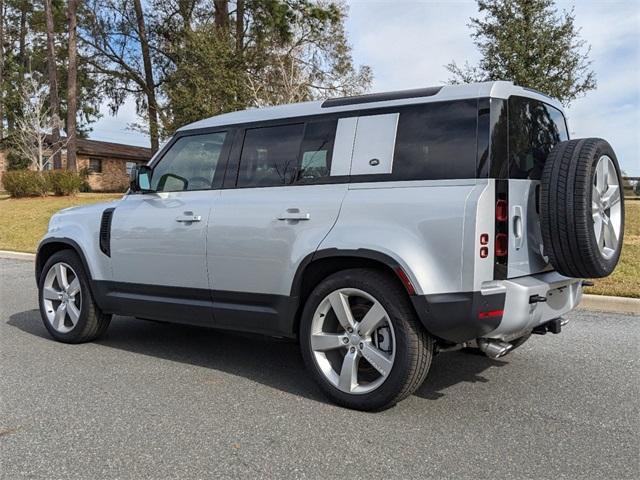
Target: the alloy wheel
(353, 341)
(606, 207)
(62, 297)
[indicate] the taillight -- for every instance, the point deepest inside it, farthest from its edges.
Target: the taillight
(501, 239)
(502, 211)
(502, 245)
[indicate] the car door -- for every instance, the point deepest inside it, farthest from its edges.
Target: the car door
(284, 202)
(158, 238)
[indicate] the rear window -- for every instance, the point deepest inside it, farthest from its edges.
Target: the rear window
(436, 141)
(534, 129)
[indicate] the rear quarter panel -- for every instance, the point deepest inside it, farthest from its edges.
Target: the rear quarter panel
(420, 224)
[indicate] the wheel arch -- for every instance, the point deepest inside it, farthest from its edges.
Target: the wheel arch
(50, 246)
(319, 265)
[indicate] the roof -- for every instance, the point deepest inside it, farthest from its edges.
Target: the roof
(118, 151)
(496, 89)
(97, 148)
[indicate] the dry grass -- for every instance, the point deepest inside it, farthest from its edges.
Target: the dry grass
(23, 221)
(625, 280)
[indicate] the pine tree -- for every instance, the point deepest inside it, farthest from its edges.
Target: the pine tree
(530, 43)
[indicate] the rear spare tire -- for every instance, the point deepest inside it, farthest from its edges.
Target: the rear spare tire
(582, 208)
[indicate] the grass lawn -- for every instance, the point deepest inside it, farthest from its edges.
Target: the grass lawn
(625, 280)
(24, 221)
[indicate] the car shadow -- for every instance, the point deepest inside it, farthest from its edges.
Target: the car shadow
(275, 363)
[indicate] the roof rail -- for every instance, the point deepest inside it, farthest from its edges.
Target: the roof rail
(381, 97)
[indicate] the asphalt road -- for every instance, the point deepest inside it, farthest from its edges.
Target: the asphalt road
(154, 401)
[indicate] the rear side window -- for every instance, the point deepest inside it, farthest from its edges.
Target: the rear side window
(270, 156)
(316, 151)
(534, 129)
(436, 141)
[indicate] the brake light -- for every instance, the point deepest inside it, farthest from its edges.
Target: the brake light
(501, 238)
(502, 245)
(502, 211)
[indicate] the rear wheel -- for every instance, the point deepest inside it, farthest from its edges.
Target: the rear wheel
(362, 342)
(67, 307)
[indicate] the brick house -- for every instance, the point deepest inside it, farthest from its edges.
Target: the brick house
(108, 164)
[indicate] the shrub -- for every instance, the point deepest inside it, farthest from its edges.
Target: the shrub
(84, 174)
(64, 182)
(25, 183)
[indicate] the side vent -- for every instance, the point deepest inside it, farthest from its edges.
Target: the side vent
(105, 231)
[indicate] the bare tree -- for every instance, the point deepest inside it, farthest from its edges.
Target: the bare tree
(53, 84)
(30, 136)
(72, 85)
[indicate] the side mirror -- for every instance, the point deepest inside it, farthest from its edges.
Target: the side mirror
(140, 179)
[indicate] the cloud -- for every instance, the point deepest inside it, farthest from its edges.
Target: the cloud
(115, 128)
(408, 44)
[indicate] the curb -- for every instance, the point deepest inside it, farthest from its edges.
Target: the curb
(595, 303)
(603, 303)
(17, 255)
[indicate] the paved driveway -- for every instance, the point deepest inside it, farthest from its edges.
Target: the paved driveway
(159, 401)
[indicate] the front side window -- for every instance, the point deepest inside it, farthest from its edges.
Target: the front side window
(436, 141)
(190, 163)
(534, 129)
(270, 156)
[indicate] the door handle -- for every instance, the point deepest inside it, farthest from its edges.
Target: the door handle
(294, 214)
(188, 217)
(518, 234)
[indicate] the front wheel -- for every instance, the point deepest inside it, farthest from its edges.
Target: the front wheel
(67, 307)
(362, 342)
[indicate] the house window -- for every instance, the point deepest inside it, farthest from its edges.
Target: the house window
(95, 165)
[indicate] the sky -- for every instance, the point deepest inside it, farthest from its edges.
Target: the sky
(408, 44)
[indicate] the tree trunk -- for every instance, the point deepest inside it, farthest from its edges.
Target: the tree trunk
(240, 27)
(72, 86)
(152, 105)
(53, 86)
(221, 13)
(1, 69)
(22, 41)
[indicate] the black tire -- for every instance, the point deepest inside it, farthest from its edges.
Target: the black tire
(566, 218)
(414, 346)
(92, 323)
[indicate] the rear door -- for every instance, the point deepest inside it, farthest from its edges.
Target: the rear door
(534, 129)
(284, 200)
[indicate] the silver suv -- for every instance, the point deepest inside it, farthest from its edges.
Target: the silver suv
(376, 230)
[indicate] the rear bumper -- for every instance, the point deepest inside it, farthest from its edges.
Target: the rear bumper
(460, 317)
(562, 294)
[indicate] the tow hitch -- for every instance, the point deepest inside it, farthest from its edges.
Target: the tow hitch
(553, 326)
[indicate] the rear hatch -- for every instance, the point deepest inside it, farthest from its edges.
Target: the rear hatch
(534, 129)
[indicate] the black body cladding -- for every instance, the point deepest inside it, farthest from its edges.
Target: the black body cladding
(105, 231)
